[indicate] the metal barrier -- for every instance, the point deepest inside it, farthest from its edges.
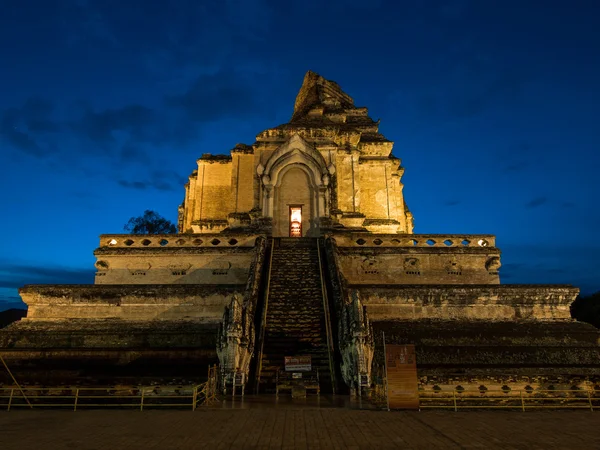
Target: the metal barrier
(514, 399)
(134, 397)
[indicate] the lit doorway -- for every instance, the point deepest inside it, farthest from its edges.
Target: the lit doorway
(295, 221)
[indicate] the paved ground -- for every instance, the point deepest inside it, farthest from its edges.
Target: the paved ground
(303, 428)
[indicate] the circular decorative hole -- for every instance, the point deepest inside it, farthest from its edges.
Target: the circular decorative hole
(413, 242)
(232, 241)
(112, 242)
(430, 242)
(528, 389)
(460, 389)
(146, 242)
(377, 242)
(163, 242)
(361, 241)
(395, 241)
(483, 243)
(198, 241)
(506, 389)
(448, 242)
(465, 242)
(180, 241)
(128, 242)
(215, 242)
(482, 389)
(102, 265)
(436, 388)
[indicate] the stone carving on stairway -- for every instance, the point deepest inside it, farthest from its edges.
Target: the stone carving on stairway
(356, 343)
(236, 335)
(235, 344)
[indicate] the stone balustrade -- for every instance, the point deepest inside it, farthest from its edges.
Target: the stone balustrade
(415, 240)
(176, 240)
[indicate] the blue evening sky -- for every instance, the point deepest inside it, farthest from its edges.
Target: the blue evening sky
(494, 107)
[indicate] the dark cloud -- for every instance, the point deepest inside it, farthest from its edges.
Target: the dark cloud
(25, 127)
(213, 97)
(162, 180)
(503, 87)
(538, 201)
(137, 120)
(131, 152)
(451, 202)
(515, 167)
(15, 275)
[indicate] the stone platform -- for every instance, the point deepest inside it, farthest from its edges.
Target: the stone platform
(296, 428)
(107, 351)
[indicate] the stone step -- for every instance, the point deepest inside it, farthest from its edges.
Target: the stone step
(295, 309)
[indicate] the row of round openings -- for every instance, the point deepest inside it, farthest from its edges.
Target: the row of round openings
(430, 242)
(482, 389)
(164, 242)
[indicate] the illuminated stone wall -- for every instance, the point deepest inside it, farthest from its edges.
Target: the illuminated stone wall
(174, 259)
(354, 180)
(394, 259)
(128, 302)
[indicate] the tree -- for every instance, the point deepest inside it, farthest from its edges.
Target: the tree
(150, 223)
(587, 309)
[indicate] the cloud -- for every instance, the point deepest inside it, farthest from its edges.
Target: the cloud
(162, 180)
(451, 202)
(100, 127)
(538, 201)
(515, 167)
(25, 126)
(476, 99)
(16, 275)
(216, 96)
(131, 152)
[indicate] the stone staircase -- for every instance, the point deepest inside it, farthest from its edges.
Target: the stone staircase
(295, 324)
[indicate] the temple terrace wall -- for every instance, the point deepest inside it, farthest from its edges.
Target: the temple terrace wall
(399, 259)
(174, 259)
(472, 302)
(201, 303)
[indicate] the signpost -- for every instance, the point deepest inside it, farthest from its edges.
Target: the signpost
(298, 364)
(401, 374)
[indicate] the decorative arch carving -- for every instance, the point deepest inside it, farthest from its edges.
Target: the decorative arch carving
(296, 148)
(296, 152)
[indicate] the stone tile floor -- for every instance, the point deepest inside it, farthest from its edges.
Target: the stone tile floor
(302, 428)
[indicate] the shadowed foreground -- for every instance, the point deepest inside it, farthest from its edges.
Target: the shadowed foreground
(297, 428)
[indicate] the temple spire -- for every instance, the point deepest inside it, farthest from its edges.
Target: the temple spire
(317, 92)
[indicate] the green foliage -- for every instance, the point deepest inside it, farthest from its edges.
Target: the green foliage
(587, 309)
(150, 223)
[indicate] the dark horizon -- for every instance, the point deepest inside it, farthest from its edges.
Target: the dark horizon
(493, 109)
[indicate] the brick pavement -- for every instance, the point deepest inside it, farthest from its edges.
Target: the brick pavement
(306, 428)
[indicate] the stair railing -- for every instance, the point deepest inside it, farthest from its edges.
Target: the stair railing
(330, 348)
(263, 323)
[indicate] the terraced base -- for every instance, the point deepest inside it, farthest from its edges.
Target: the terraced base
(102, 352)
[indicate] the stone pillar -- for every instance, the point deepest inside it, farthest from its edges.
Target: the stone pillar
(355, 180)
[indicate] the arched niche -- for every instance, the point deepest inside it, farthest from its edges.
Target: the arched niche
(307, 183)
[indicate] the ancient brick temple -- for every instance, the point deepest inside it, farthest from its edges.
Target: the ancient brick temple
(301, 243)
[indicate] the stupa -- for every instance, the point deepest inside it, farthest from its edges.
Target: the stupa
(301, 244)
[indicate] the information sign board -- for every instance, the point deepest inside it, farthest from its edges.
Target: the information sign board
(402, 383)
(298, 364)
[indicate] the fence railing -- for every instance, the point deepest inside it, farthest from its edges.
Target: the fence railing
(518, 399)
(129, 397)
